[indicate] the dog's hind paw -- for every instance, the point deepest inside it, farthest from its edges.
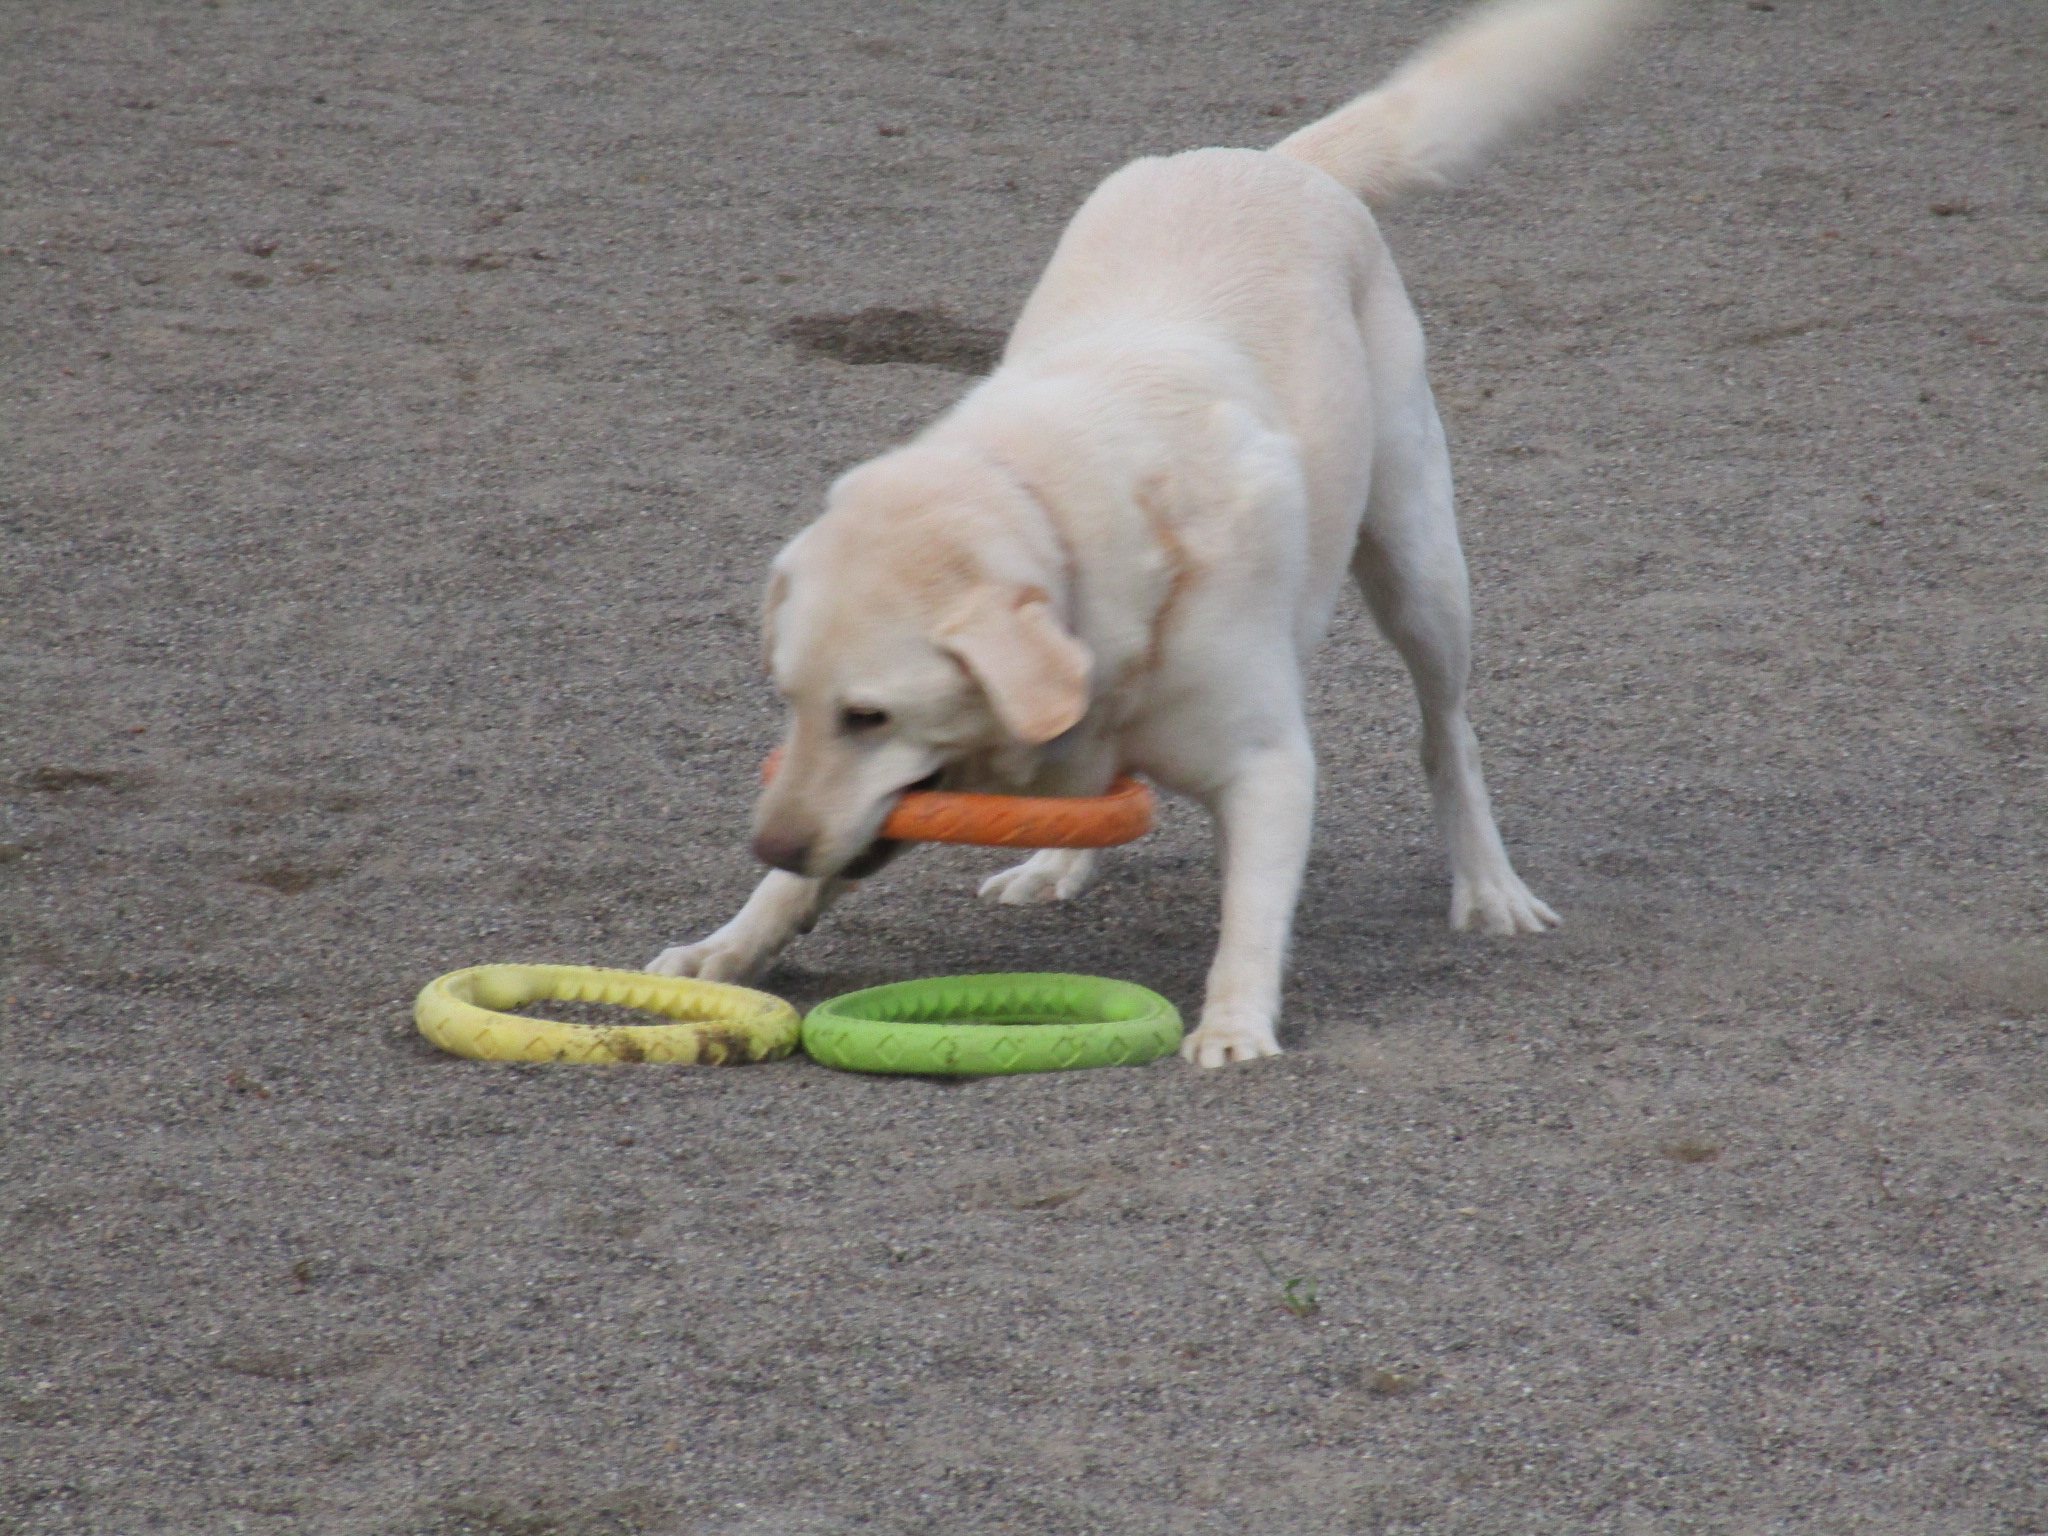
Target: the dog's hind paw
(709, 959)
(1500, 905)
(1051, 874)
(1219, 1040)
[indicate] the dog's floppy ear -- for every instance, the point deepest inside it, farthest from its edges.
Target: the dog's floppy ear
(1034, 673)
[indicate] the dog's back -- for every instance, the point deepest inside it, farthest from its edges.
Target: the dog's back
(1274, 254)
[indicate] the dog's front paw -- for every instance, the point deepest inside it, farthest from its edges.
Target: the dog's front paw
(1051, 874)
(1225, 1036)
(716, 958)
(1498, 904)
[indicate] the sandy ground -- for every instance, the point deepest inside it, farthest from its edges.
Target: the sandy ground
(401, 401)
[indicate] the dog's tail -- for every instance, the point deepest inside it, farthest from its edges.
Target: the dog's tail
(1442, 110)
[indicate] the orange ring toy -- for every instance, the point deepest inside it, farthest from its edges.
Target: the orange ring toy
(1016, 821)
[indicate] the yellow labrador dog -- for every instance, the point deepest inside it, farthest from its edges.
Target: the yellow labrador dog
(1118, 550)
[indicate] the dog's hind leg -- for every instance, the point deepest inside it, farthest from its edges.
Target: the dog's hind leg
(1082, 767)
(1051, 874)
(782, 906)
(1411, 571)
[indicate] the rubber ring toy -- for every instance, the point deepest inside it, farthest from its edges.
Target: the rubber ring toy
(716, 1023)
(1121, 815)
(989, 1026)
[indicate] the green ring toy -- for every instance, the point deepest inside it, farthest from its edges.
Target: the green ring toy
(464, 1012)
(986, 1026)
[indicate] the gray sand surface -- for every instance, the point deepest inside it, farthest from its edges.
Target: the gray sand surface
(401, 402)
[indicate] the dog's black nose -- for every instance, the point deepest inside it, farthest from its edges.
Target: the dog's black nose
(792, 854)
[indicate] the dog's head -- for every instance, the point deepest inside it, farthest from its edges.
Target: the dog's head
(912, 626)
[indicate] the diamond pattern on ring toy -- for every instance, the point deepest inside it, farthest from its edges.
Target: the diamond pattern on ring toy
(988, 1026)
(465, 1012)
(1121, 814)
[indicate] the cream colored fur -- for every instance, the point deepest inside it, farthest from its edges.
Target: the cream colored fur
(1116, 553)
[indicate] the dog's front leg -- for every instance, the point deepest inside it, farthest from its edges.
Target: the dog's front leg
(1264, 815)
(782, 906)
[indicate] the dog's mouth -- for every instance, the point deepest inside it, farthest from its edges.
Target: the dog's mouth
(871, 858)
(883, 849)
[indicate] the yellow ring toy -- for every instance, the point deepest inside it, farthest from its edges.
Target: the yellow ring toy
(716, 1023)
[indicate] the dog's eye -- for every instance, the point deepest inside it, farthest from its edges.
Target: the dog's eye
(855, 721)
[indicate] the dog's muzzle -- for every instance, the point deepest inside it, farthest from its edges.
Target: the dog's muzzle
(883, 849)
